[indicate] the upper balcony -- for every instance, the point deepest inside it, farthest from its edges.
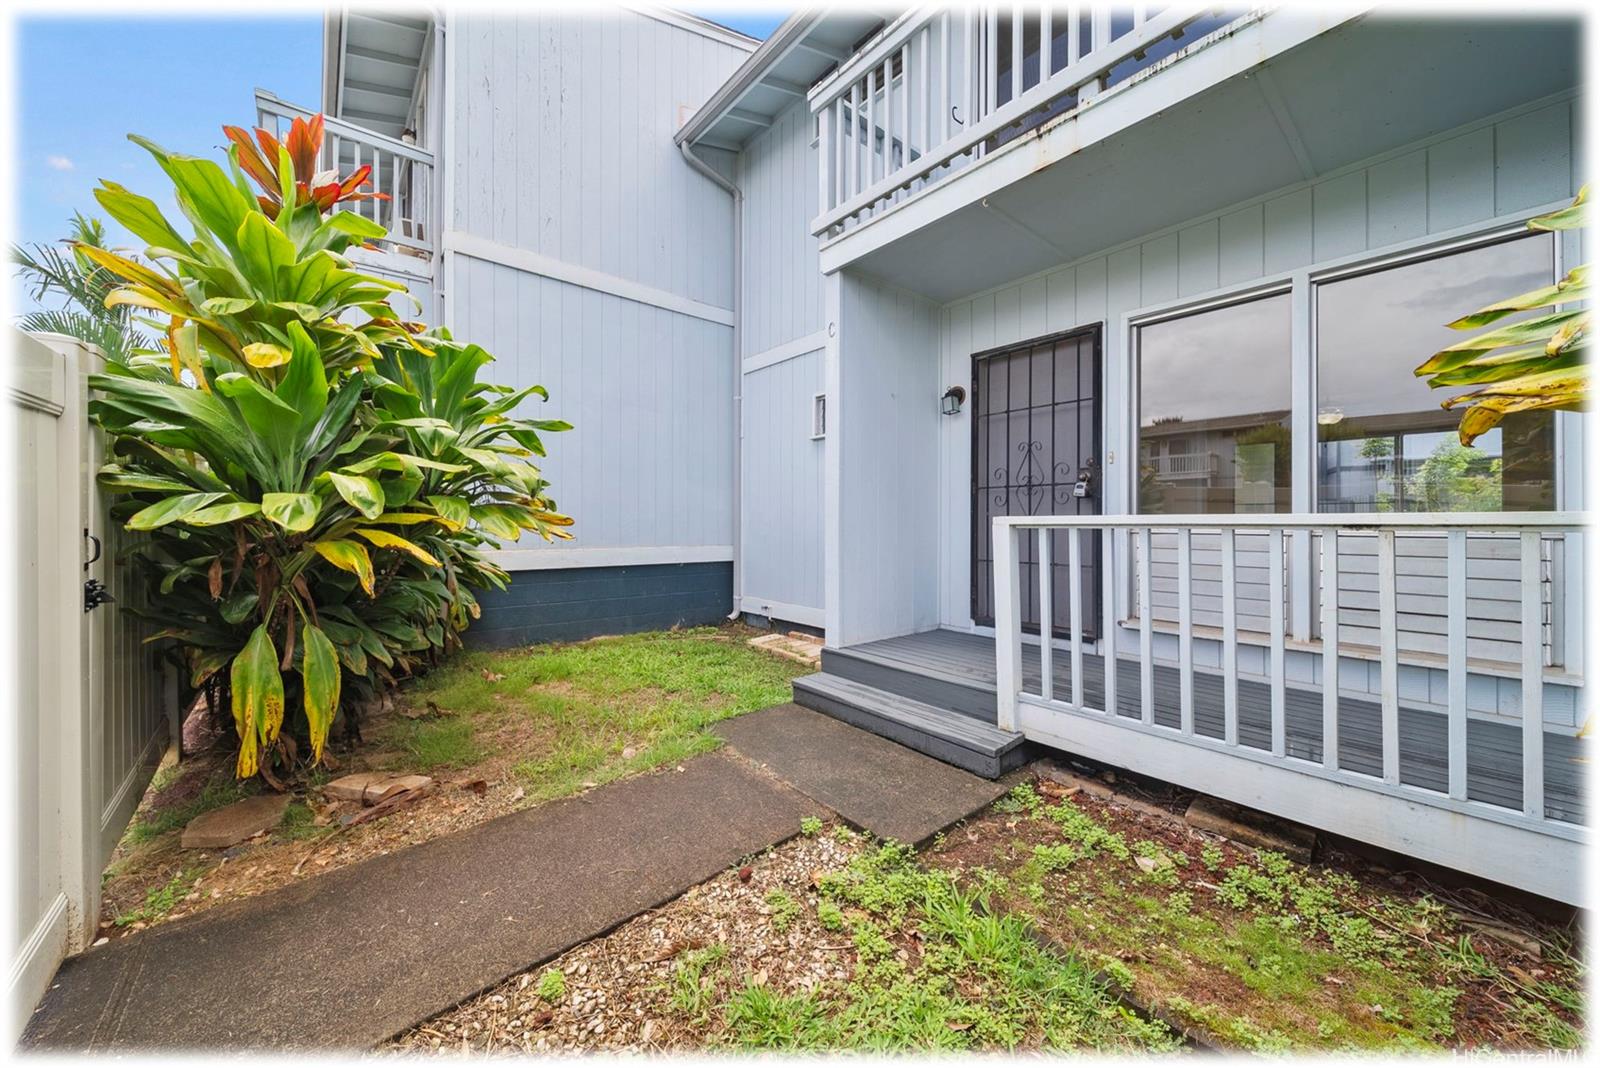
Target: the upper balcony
(401, 171)
(1028, 135)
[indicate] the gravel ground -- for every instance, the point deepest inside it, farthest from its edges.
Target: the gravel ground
(626, 991)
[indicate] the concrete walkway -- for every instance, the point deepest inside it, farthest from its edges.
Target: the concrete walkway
(348, 959)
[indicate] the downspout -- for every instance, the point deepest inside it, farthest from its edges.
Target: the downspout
(733, 190)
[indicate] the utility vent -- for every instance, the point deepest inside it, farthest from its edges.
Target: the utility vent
(819, 416)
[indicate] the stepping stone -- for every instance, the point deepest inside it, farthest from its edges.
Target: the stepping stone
(369, 787)
(878, 785)
(1249, 827)
(232, 824)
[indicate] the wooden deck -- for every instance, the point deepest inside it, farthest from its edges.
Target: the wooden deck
(956, 671)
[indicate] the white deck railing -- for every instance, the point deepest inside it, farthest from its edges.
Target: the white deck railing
(1528, 532)
(939, 88)
(401, 171)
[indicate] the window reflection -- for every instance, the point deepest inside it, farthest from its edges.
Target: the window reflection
(1384, 443)
(1214, 398)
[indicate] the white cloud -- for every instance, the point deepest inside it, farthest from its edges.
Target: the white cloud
(59, 163)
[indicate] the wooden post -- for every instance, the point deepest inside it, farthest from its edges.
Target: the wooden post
(1007, 624)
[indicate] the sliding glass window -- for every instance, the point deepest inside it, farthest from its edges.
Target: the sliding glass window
(1383, 442)
(1214, 399)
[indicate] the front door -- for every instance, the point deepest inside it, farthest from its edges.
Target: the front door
(1036, 451)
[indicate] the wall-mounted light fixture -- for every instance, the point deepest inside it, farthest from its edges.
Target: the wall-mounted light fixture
(950, 403)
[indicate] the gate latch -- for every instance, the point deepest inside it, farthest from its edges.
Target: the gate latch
(95, 594)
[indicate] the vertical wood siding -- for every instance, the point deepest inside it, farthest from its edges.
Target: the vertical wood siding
(649, 393)
(782, 488)
(562, 147)
(887, 420)
(1472, 176)
(781, 491)
(563, 144)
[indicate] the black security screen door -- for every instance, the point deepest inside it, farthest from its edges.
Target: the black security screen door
(1035, 433)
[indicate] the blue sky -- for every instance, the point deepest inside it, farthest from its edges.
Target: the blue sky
(174, 79)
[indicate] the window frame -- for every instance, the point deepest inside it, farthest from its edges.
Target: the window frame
(1123, 435)
(1434, 250)
(1261, 289)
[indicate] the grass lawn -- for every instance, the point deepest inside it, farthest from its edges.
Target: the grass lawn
(521, 726)
(1255, 951)
(563, 717)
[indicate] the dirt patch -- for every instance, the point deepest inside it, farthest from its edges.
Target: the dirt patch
(1257, 952)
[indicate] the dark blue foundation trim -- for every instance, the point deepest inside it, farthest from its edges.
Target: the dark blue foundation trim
(583, 602)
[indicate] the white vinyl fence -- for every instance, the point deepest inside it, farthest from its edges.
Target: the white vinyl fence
(94, 710)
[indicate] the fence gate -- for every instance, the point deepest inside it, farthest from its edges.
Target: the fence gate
(94, 709)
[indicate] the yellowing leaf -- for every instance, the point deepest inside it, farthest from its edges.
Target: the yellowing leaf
(386, 540)
(348, 556)
(257, 689)
(264, 354)
(321, 676)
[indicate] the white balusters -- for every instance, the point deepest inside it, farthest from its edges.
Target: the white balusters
(1275, 625)
(1147, 701)
(1388, 659)
(1108, 616)
(1075, 610)
(1330, 647)
(1047, 619)
(1185, 631)
(1532, 677)
(1230, 642)
(1456, 661)
(1007, 625)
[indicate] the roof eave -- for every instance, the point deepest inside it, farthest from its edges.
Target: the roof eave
(749, 74)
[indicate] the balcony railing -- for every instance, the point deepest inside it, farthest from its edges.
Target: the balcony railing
(1205, 699)
(401, 171)
(939, 88)
(1185, 465)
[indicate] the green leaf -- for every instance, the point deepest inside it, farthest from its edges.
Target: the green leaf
(228, 305)
(116, 477)
(456, 513)
(294, 512)
(321, 675)
(237, 608)
(265, 253)
(349, 222)
(170, 510)
(361, 493)
(348, 556)
(257, 699)
(140, 215)
(218, 514)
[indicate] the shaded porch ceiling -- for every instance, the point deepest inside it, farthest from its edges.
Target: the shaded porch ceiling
(1363, 89)
(372, 62)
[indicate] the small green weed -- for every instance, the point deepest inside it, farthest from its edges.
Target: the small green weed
(693, 982)
(552, 986)
(1022, 798)
(810, 826)
(160, 900)
(781, 910)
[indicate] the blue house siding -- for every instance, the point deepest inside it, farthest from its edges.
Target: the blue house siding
(570, 604)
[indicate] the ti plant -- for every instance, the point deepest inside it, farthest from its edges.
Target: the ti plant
(315, 478)
(1534, 363)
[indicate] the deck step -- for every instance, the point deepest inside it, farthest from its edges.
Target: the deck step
(952, 737)
(941, 685)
